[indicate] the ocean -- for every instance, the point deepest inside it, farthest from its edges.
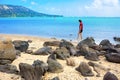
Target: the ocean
(62, 27)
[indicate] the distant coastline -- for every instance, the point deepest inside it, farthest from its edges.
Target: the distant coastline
(20, 11)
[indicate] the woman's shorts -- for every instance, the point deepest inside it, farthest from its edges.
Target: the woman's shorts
(80, 31)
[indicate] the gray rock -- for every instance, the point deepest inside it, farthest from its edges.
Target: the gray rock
(52, 56)
(117, 46)
(43, 66)
(21, 45)
(43, 51)
(54, 66)
(66, 44)
(106, 44)
(85, 69)
(62, 53)
(3, 62)
(109, 76)
(8, 69)
(92, 56)
(55, 78)
(113, 57)
(29, 51)
(34, 71)
(72, 51)
(52, 43)
(88, 41)
(84, 49)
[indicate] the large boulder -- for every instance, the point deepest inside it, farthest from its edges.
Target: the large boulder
(66, 44)
(7, 50)
(84, 49)
(85, 69)
(52, 43)
(88, 41)
(92, 56)
(54, 66)
(62, 53)
(34, 71)
(109, 76)
(21, 45)
(72, 51)
(113, 57)
(105, 44)
(43, 51)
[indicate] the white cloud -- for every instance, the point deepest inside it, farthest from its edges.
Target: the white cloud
(103, 8)
(33, 3)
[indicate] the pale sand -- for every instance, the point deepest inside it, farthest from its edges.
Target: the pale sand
(69, 72)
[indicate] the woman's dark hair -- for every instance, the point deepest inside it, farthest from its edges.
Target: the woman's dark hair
(80, 20)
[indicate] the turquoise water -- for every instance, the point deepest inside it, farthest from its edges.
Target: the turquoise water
(98, 27)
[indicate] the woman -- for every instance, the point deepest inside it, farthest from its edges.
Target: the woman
(80, 30)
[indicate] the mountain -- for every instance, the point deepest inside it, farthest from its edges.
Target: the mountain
(20, 11)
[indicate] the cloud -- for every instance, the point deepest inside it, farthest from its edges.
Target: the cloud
(103, 8)
(103, 3)
(33, 3)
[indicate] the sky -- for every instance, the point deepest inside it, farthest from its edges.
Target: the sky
(81, 8)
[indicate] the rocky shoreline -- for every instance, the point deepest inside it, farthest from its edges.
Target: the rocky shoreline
(31, 58)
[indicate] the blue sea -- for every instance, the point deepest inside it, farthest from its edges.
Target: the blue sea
(62, 27)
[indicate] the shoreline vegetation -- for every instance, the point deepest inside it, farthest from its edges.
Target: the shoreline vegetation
(57, 59)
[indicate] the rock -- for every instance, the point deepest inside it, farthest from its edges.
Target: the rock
(96, 47)
(29, 41)
(92, 56)
(34, 71)
(109, 76)
(56, 78)
(117, 39)
(43, 51)
(66, 44)
(84, 49)
(98, 66)
(52, 56)
(54, 66)
(29, 51)
(7, 50)
(62, 53)
(52, 43)
(88, 41)
(43, 66)
(21, 45)
(117, 46)
(72, 51)
(106, 44)
(113, 57)
(86, 79)
(3, 62)
(79, 53)
(8, 69)
(18, 53)
(85, 69)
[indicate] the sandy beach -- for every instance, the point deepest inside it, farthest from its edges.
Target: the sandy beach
(69, 72)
